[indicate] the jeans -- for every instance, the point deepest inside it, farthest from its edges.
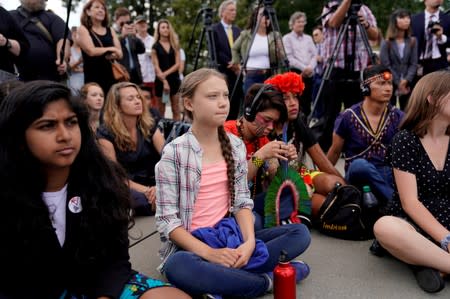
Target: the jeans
(249, 80)
(361, 173)
(197, 276)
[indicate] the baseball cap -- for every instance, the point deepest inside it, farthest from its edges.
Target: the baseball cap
(139, 19)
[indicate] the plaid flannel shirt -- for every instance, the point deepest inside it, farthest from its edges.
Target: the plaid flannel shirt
(331, 37)
(178, 176)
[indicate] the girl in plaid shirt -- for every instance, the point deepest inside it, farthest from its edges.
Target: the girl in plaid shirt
(201, 179)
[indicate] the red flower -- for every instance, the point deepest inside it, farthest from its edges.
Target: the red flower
(287, 82)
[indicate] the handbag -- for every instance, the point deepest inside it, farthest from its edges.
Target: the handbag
(119, 72)
(340, 215)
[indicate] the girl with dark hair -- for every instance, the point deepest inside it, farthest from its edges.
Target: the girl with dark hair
(99, 44)
(202, 183)
(66, 228)
(418, 232)
(399, 53)
(265, 52)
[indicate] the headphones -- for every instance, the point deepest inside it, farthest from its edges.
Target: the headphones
(250, 111)
(365, 87)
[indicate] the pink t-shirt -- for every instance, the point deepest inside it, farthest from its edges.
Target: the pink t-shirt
(213, 198)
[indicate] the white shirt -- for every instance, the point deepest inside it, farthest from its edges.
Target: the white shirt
(56, 203)
(258, 58)
(436, 53)
(147, 68)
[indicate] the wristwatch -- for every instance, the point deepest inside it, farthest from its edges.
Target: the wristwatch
(8, 44)
(258, 162)
(445, 242)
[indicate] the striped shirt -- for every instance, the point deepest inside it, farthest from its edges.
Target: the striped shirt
(331, 37)
(178, 176)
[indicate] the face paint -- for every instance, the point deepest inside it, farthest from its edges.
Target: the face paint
(262, 124)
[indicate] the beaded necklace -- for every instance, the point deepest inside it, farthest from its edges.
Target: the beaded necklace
(256, 148)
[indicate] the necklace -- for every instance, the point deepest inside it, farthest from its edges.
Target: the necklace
(256, 148)
(380, 121)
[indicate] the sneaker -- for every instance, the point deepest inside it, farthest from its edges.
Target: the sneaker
(377, 249)
(430, 280)
(302, 270)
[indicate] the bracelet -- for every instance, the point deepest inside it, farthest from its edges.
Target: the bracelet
(445, 242)
(146, 189)
(258, 162)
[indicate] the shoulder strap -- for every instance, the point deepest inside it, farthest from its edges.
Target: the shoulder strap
(96, 37)
(36, 21)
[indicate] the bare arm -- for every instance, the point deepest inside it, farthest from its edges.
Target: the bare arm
(87, 45)
(155, 62)
(320, 159)
(158, 141)
(336, 148)
(337, 18)
(407, 189)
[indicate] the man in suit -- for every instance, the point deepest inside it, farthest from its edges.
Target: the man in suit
(432, 40)
(225, 33)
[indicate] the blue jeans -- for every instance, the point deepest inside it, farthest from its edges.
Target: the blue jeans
(249, 80)
(196, 276)
(361, 173)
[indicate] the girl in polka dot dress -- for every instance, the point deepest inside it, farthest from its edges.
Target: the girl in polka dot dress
(418, 232)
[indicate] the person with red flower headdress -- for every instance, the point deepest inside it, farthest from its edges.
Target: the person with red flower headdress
(323, 181)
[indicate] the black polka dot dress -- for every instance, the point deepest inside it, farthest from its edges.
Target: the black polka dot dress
(406, 153)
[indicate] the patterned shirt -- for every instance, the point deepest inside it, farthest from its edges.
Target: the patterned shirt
(178, 176)
(331, 36)
(360, 141)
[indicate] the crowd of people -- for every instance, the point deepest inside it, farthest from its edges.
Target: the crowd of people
(88, 145)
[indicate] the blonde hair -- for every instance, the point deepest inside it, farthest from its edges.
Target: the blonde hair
(113, 118)
(425, 102)
(223, 6)
(172, 35)
(187, 90)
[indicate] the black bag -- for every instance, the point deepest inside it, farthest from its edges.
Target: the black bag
(172, 129)
(340, 215)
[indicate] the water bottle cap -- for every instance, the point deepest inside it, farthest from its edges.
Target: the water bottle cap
(283, 255)
(366, 189)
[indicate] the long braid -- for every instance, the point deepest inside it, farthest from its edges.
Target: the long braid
(228, 156)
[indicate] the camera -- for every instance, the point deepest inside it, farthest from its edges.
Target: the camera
(431, 24)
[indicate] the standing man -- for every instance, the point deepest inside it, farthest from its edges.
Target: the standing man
(13, 45)
(145, 60)
(301, 52)
(352, 58)
(131, 45)
(45, 33)
(432, 30)
(225, 33)
(363, 132)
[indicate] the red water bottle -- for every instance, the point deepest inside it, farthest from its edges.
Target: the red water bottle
(284, 286)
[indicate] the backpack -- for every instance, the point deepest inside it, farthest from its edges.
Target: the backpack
(341, 215)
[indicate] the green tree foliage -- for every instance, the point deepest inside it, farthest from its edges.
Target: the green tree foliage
(183, 14)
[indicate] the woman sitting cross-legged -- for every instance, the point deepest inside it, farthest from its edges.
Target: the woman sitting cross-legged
(129, 136)
(202, 187)
(418, 232)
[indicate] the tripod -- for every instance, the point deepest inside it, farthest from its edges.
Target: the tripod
(269, 12)
(348, 28)
(207, 31)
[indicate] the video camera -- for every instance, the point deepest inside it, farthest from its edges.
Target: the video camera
(431, 24)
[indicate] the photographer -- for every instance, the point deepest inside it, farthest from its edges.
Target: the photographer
(131, 45)
(352, 57)
(432, 29)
